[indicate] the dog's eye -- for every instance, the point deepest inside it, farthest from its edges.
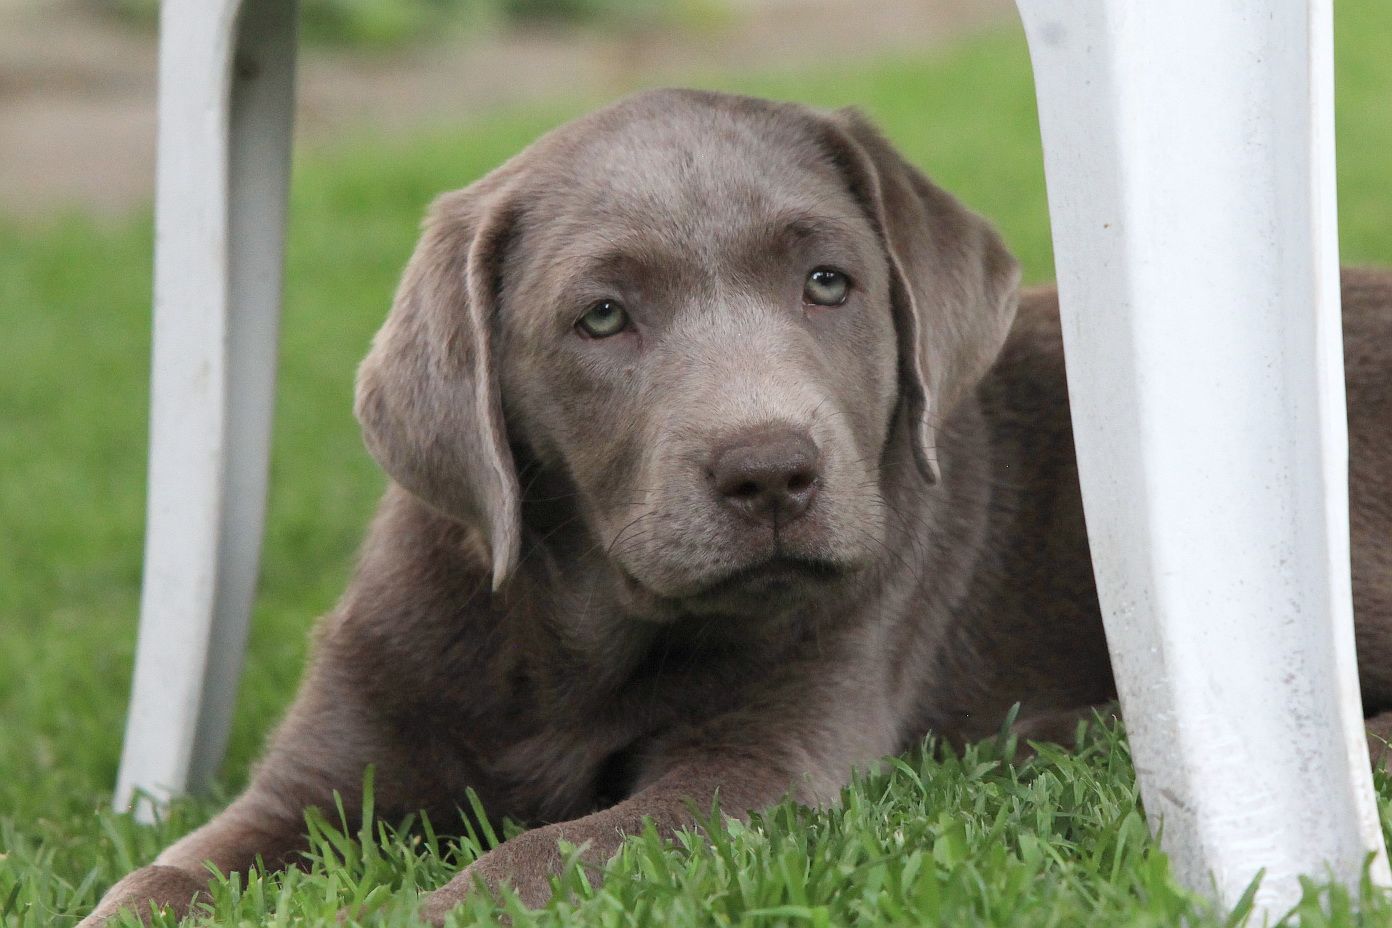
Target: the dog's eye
(826, 287)
(605, 318)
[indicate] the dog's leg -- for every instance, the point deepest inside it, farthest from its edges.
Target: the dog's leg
(321, 749)
(747, 761)
(1379, 729)
(255, 825)
(1059, 727)
(527, 862)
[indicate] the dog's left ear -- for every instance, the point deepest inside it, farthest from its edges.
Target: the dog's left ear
(953, 284)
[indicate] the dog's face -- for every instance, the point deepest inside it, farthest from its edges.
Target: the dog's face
(695, 327)
(703, 315)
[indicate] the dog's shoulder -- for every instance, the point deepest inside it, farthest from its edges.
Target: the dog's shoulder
(1025, 394)
(1367, 326)
(1035, 343)
(419, 613)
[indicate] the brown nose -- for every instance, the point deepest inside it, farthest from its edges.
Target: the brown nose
(768, 476)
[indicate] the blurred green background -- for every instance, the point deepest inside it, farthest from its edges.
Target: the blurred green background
(367, 24)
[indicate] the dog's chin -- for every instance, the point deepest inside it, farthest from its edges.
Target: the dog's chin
(778, 576)
(765, 589)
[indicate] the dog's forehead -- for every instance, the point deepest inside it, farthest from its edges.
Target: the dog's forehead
(688, 173)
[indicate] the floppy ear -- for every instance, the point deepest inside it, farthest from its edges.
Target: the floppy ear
(952, 281)
(427, 393)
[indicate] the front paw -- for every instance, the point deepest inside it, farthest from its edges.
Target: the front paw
(525, 865)
(153, 887)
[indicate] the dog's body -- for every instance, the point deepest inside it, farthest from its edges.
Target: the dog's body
(671, 520)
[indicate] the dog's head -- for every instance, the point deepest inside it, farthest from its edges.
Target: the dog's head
(716, 320)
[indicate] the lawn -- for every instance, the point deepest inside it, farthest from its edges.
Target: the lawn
(931, 839)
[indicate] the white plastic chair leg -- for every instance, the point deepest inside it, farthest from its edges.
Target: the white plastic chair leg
(1189, 152)
(226, 100)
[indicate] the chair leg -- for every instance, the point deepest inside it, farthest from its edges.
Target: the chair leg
(225, 115)
(1189, 154)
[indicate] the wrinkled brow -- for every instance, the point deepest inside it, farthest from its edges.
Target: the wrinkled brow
(798, 227)
(630, 255)
(614, 262)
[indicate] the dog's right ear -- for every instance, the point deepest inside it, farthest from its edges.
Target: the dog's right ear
(427, 393)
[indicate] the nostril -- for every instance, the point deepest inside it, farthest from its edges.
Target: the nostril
(746, 490)
(800, 481)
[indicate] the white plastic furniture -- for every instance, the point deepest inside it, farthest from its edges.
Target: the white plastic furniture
(226, 100)
(1189, 153)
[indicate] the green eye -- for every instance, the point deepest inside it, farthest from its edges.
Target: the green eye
(605, 318)
(826, 287)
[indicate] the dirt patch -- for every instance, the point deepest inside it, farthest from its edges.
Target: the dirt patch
(77, 91)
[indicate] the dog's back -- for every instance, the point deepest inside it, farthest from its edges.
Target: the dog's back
(1368, 379)
(1039, 627)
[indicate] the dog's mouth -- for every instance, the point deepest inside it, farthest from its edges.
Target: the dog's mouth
(767, 588)
(774, 577)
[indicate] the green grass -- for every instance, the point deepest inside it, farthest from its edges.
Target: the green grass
(1059, 841)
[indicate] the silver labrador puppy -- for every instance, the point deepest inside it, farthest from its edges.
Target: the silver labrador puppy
(721, 463)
